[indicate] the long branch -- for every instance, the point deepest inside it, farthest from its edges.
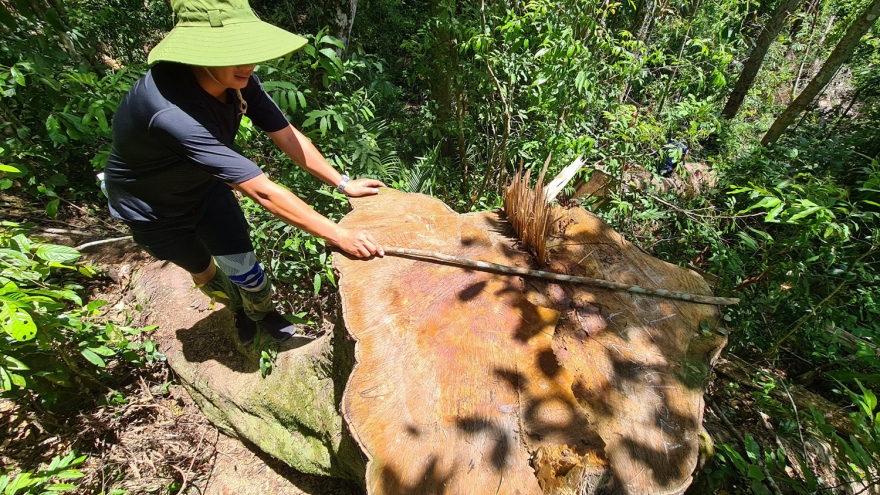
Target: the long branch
(496, 268)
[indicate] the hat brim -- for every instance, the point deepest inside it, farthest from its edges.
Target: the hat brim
(233, 44)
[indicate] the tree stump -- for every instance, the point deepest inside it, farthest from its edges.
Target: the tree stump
(473, 382)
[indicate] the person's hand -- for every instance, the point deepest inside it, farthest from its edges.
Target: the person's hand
(362, 187)
(359, 243)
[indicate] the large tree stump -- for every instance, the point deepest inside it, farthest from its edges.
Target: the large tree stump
(472, 382)
(467, 382)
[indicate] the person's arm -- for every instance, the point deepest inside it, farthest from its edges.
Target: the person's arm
(298, 147)
(288, 207)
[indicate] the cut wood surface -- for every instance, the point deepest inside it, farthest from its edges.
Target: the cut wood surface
(472, 382)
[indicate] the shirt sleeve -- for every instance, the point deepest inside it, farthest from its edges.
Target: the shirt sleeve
(262, 109)
(195, 142)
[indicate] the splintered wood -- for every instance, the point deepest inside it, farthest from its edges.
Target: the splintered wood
(469, 382)
(529, 212)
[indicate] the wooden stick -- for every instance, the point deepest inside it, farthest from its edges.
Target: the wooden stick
(496, 268)
(102, 241)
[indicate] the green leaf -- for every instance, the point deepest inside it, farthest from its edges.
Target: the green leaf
(54, 252)
(8, 168)
(809, 211)
(317, 283)
(18, 380)
(755, 473)
(101, 117)
(5, 380)
(103, 350)
(15, 363)
(273, 85)
(23, 243)
(21, 326)
(70, 474)
(330, 40)
(16, 257)
(93, 358)
(52, 208)
(331, 55)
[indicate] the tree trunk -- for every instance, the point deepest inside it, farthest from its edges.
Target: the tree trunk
(644, 18)
(344, 20)
(842, 52)
(756, 58)
(463, 381)
(291, 414)
(443, 58)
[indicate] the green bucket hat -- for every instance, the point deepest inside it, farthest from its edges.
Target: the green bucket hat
(220, 33)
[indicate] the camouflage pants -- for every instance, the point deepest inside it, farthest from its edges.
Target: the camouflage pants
(256, 304)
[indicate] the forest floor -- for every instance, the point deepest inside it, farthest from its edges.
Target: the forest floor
(149, 437)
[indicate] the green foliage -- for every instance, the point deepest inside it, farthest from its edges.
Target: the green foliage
(56, 103)
(450, 98)
(333, 102)
(51, 479)
(53, 344)
(859, 453)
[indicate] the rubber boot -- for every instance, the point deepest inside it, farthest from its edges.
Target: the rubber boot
(221, 289)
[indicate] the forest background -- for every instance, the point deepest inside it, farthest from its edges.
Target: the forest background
(778, 104)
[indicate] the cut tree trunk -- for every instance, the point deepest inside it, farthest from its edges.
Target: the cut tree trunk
(466, 382)
(842, 52)
(472, 382)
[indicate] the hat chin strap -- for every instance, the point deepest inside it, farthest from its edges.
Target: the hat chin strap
(242, 104)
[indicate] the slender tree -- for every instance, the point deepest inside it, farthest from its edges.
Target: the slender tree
(344, 20)
(756, 58)
(643, 19)
(842, 52)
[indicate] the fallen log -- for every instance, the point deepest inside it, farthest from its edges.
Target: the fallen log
(741, 372)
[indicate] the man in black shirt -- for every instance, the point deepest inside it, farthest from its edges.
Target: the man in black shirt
(173, 164)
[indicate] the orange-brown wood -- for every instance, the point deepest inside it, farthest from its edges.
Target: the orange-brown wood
(470, 382)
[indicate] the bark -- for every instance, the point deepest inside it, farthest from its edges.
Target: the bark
(842, 52)
(443, 58)
(291, 414)
(741, 372)
(344, 20)
(756, 58)
(643, 20)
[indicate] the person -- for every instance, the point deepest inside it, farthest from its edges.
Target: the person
(674, 154)
(173, 166)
